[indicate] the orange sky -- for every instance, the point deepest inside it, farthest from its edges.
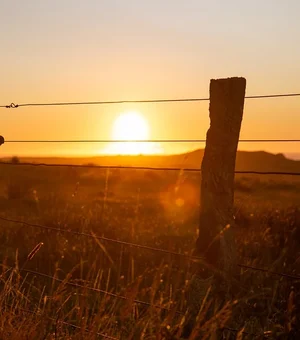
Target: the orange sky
(81, 51)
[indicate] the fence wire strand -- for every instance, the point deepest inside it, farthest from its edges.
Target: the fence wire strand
(149, 141)
(115, 167)
(64, 323)
(102, 238)
(230, 329)
(143, 101)
(136, 245)
(92, 289)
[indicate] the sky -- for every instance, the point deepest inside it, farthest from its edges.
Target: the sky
(63, 50)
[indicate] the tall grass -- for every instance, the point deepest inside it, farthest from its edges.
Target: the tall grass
(68, 301)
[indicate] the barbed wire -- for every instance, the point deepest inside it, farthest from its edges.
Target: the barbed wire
(97, 290)
(115, 167)
(14, 106)
(230, 329)
(143, 101)
(149, 141)
(136, 245)
(102, 238)
(63, 322)
(94, 166)
(289, 276)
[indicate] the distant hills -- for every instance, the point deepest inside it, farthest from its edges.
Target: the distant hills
(293, 155)
(246, 160)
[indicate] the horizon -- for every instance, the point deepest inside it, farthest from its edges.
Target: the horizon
(290, 156)
(132, 51)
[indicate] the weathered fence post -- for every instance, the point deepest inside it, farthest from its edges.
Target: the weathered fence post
(216, 242)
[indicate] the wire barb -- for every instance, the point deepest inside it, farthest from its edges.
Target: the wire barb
(11, 106)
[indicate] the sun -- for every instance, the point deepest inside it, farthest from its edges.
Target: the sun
(131, 127)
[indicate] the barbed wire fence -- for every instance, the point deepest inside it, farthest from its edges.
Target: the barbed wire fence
(144, 101)
(124, 243)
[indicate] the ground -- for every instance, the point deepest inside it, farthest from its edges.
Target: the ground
(151, 208)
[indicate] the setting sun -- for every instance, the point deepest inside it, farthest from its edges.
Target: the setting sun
(131, 127)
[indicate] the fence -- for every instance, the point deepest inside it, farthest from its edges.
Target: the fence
(120, 242)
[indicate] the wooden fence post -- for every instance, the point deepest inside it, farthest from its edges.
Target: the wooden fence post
(216, 242)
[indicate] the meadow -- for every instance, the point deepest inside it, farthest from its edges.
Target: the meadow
(66, 288)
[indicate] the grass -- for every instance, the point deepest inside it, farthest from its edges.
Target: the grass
(150, 208)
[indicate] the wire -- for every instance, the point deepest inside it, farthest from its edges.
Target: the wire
(268, 173)
(274, 96)
(64, 323)
(289, 276)
(97, 290)
(110, 337)
(12, 105)
(110, 294)
(264, 336)
(86, 330)
(93, 166)
(293, 277)
(129, 244)
(150, 141)
(94, 289)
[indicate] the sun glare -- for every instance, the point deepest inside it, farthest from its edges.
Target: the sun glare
(131, 127)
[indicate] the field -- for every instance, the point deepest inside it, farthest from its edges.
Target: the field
(59, 291)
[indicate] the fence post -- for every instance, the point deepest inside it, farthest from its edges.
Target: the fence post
(216, 242)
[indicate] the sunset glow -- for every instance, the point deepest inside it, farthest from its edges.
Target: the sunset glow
(151, 52)
(131, 127)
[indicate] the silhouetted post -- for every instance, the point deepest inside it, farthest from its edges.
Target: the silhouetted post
(216, 242)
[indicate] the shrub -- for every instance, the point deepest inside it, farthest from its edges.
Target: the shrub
(17, 190)
(15, 160)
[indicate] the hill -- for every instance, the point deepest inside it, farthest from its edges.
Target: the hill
(252, 161)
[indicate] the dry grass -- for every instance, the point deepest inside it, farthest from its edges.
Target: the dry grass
(160, 211)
